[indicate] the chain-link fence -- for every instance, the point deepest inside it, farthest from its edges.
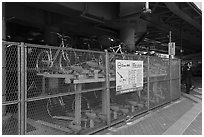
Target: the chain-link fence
(175, 79)
(63, 90)
(10, 88)
(159, 89)
(56, 90)
(125, 105)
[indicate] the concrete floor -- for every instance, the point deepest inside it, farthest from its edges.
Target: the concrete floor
(182, 117)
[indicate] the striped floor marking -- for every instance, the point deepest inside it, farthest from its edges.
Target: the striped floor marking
(182, 124)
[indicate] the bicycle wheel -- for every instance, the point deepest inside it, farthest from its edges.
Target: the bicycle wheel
(92, 61)
(101, 62)
(56, 107)
(44, 61)
(65, 63)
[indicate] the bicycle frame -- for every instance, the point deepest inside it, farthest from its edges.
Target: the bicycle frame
(119, 49)
(58, 51)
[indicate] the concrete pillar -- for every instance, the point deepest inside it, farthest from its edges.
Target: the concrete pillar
(134, 24)
(127, 35)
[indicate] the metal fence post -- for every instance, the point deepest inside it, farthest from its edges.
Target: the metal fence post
(179, 65)
(3, 66)
(148, 83)
(22, 90)
(25, 88)
(19, 88)
(107, 88)
(170, 82)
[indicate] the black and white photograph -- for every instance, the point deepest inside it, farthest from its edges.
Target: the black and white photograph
(101, 68)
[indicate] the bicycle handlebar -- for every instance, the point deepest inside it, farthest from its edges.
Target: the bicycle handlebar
(119, 46)
(60, 35)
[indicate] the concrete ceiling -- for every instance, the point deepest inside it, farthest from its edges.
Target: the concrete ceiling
(87, 18)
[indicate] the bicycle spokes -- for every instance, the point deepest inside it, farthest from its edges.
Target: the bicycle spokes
(44, 61)
(56, 107)
(65, 63)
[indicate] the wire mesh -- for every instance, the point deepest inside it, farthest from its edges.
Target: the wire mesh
(175, 64)
(10, 83)
(158, 69)
(159, 93)
(159, 77)
(175, 89)
(175, 79)
(10, 121)
(11, 72)
(62, 89)
(66, 89)
(130, 103)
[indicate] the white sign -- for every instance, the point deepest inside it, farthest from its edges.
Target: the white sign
(129, 75)
(171, 48)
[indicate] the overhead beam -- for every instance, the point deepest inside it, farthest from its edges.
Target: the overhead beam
(154, 21)
(176, 10)
(193, 6)
(103, 10)
(157, 5)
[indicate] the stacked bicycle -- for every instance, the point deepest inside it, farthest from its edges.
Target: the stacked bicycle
(67, 60)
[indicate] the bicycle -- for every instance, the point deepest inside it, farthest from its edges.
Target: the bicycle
(58, 109)
(93, 60)
(46, 60)
(116, 53)
(117, 49)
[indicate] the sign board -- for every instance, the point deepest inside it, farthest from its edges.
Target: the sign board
(129, 76)
(171, 48)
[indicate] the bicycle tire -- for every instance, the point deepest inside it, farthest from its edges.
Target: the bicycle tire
(65, 63)
(55, 107)
(101, 62)
(44, 62)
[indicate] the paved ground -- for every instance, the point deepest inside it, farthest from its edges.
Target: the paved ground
(195, 128)
(183, 116)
